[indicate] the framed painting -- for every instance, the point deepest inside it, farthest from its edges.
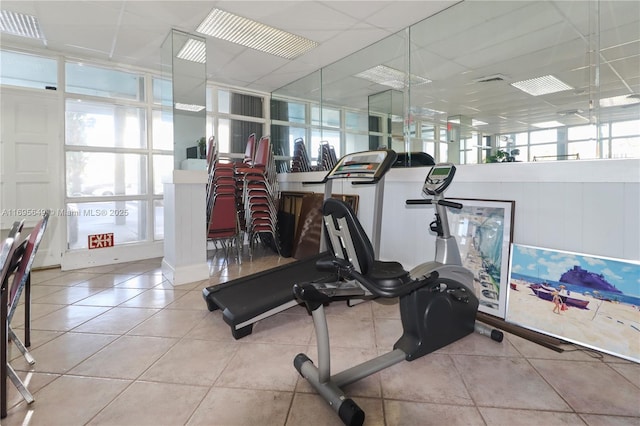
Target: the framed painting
(484, 231)
(589, 300)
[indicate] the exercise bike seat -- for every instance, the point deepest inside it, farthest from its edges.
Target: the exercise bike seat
(388, 278)
(388, 275)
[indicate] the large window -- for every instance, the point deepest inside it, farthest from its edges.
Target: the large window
(233, 116)
(345, 129)
(19, 69)
(625, 139)
(83, 79)
(112, 173)
(618, 139)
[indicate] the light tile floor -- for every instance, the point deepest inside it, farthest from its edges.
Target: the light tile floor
(118, 345)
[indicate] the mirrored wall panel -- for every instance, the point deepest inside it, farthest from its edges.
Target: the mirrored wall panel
(184, 64)
(489, 81)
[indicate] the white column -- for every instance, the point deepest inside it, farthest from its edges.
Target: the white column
(185, 230)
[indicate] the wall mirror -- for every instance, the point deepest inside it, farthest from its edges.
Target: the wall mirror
(541, 81)
(184, 64)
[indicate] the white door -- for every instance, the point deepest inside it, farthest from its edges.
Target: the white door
(31, 174)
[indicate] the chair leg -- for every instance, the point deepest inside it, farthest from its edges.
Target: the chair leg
(21, 347)
(27, 312)
(4, 362)
(19, 385)
(252, 238)
(226, 250)
(238, 248)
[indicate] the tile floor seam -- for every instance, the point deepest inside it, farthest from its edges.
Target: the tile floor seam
(464, 382)
(226, 364)
(75, 365)
(116, 396)
(231, 271)
(289, 408)
(557, 391)
(139, 375)
(195, 410)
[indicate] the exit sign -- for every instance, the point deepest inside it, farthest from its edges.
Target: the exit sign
(101, 240)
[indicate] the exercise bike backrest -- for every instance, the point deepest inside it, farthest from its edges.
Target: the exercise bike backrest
(347, 239)
(437, 181)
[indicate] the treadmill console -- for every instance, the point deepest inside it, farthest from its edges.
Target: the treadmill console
(439, 178)
(369, 165)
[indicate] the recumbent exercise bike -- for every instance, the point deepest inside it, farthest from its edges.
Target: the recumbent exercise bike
(437, 302)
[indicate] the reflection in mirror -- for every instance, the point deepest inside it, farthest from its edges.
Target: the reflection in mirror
(184, 63)
(291, 108)
(505, 81)
(368, 85)
(386, 117)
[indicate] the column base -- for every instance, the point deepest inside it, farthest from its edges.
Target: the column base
(184, 274)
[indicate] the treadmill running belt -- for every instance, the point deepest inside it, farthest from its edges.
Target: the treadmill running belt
(247, 297)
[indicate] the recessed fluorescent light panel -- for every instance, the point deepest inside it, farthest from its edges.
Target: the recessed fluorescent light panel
(189, 107)
(547, 124)
(541, 85)
(422, 111)
(194, 50)
(619, 101)
(391, 77)
(21, 25)
(249, 33)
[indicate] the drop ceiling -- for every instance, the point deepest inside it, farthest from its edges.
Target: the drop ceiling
(461, 43)
(131, 32)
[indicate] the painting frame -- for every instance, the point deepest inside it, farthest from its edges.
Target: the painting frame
(491, 279)
(599, 306)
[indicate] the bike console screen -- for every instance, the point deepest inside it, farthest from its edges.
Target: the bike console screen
(438, 179)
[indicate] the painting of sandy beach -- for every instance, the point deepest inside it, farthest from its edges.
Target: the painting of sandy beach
(589, 300)
(483, 230)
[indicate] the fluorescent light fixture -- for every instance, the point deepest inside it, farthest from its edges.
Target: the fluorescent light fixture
(391, 77)
(20, 24)
(249, 33)
(422, 111)
(189, 107)
(547, 124)
(194, 50)
(541, 85)
(619, 101)
(474, 122)
(574, 111)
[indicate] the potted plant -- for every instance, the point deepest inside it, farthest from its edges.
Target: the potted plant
(502, 156)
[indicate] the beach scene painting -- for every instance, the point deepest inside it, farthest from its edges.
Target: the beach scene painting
(483, 230)
(589, 300)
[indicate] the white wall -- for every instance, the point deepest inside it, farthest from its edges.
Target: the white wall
(589, 207)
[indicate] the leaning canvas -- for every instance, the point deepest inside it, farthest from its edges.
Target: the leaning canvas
(590, 300)
(483, 230)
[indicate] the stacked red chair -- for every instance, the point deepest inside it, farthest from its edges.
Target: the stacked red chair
(300, 160)
(223, 224)
(260, 195)
(326, 156)
(222, 213)
(240, 171)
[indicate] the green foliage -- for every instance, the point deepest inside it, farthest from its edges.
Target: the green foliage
(500, 156)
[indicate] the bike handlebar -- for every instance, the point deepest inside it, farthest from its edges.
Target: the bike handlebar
(445, 203)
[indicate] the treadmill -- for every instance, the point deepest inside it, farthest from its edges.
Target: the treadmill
(249, 299)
